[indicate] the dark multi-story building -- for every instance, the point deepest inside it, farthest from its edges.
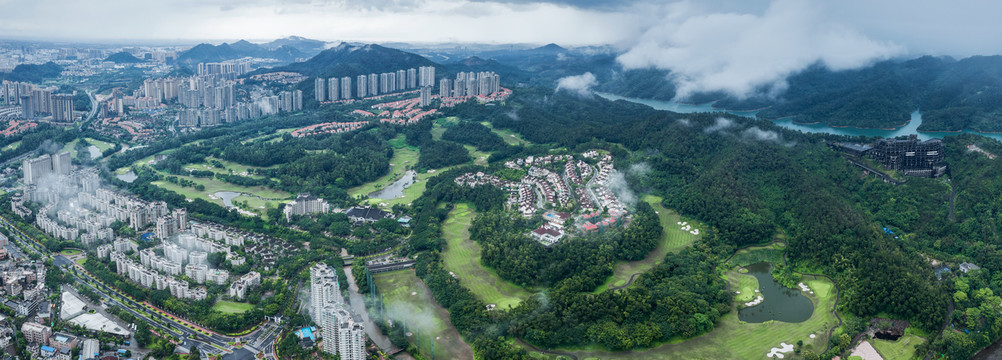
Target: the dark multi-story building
(911, 156)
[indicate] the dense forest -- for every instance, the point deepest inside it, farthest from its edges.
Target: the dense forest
(747, 178)
(952, 94)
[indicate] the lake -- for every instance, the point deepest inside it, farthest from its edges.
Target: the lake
(780, 303)
(94, 152)
(227, 196)
(128, 177)
(911, 127)
(396, 189)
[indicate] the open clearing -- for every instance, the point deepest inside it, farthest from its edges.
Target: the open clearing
(903, 349)
(409, 301)
(230, 307)
(462, 257)
(674, 240)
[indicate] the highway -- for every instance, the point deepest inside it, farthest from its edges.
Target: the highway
(262, 338)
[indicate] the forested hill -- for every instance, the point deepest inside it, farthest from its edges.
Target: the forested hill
(239, 49)
(952, 94)
(350, 60)
(747, 178)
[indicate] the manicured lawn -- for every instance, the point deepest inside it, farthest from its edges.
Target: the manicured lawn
(101, 145)
(674, 240)
(462, 257)
(70, 252)
(212, 186)
(746, 284)
(903, 349)
(734, 339)
(409, 302)
(507, 135)
(479, 157)
(81, 261)
(230, 307)
(12, 145)
(228, 166)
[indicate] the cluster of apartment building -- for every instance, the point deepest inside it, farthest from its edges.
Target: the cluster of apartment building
(149, 278)
(337, 89)
(305, 204)
(35, 100)
(206, 99)
(343, 334)
(470, 84)
(84, 209)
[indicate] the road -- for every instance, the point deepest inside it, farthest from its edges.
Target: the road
(93, 111)
(262, 338)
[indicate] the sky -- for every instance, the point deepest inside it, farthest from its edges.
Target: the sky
(736, 46)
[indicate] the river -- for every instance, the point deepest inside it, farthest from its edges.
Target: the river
(910, 127)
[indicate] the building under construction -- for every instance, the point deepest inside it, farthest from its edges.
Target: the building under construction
(910, 156)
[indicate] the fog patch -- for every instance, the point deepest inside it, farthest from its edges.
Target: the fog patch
(719, 125)
(619, 187)
(578, 84)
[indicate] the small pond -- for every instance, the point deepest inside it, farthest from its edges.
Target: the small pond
(227, 196)
(94, 152)
(396, 189)
(780, 303)
(128, 177)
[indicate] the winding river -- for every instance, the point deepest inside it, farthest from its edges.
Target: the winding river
(910, 127)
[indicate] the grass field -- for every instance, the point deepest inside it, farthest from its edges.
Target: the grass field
(734, 339)
(228, 166)
(903, 349)
(409, 301)
(462, 257)
(507, 135)
(100, 144)
(479, 157)
(212, 186)
(674, 240)
(12, 145)
(230, 307)
(746, 284)
(70, 252)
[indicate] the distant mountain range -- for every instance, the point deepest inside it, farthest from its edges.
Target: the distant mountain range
(123, 58)
(309, 47)
(240, 49)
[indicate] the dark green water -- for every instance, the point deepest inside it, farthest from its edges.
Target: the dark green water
(780, 304)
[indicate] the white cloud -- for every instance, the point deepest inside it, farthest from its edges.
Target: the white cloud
(578, 84)
(742, 54)
(719, 125)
